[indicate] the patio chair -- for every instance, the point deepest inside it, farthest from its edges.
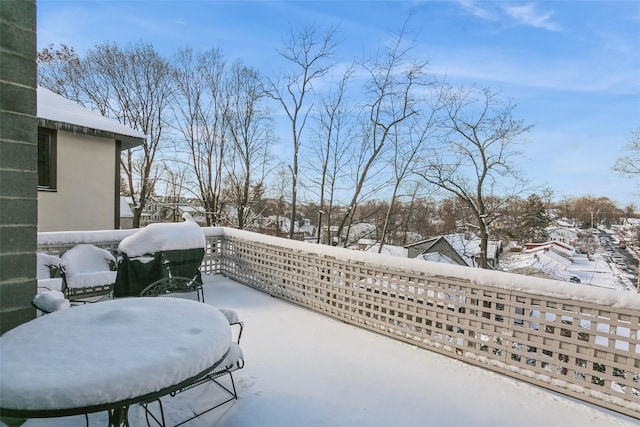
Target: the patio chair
(88, 274)
(175, 287)
(162, 254)
(231, 363)
(47, 266)
(49, 297)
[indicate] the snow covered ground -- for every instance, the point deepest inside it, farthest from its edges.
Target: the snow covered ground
(304, 369)
(596, 270)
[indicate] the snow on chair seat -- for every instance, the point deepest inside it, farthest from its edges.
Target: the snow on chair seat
(88, 273)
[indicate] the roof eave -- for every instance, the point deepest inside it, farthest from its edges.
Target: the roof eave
(127, 141)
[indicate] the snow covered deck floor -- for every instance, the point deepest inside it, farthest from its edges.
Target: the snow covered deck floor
(304, 369)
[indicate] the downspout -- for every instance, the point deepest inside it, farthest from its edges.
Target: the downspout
(116, 214)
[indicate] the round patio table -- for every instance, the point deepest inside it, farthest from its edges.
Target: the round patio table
(107, 356)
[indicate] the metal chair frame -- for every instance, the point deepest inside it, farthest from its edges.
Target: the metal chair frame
(182, 287)
(175, 287)
(212, 376)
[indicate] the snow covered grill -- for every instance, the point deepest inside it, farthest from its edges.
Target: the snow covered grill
(159, 252)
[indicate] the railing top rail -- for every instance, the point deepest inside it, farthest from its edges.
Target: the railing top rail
(495, 279)
(51, 238)
(509, 282)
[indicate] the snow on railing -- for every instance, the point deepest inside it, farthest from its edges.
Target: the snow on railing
(577, 340)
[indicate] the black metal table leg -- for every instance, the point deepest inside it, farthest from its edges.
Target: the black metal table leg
(119, 417)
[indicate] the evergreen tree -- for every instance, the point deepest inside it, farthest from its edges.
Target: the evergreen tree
(534, 220)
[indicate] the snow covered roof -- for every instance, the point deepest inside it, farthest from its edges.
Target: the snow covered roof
(467, 245)
(55, 108)
(392, 250)
(125, 209)
(561, 247)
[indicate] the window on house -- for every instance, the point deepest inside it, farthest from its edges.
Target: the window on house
(46, 159)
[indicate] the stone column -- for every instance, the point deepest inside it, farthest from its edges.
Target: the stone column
(18, 162)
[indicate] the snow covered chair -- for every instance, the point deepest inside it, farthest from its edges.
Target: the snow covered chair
(88, 274)
(48, 266)
(231, 363)
(48, 272)
(160, 258)
(49, 297)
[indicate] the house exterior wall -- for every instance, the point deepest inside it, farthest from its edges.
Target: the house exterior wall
(563, 235)
(84, 199)
(18, 162)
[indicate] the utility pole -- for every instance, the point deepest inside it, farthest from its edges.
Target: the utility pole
(320, 213)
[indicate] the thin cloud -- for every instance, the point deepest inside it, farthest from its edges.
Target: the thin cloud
(529, 15)
(472, 8)
(525, 14)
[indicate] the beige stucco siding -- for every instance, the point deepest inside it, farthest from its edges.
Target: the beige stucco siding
(84, 199)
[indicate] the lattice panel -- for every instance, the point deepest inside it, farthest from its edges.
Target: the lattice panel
(585, 350)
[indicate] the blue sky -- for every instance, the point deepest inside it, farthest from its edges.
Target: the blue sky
(572, 67)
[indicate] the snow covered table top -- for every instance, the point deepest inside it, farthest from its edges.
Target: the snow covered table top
(86, 358)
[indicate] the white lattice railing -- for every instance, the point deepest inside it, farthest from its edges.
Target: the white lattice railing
(573, 339)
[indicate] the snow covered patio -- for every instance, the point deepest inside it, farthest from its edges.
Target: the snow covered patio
(306, 369)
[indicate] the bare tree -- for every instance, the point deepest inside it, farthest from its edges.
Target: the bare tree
(392, 79)
(476, 160)
(250, 128)
(309, 51)
(200, 109)
(60, 71)
(408, 151)
(590, 211)
(328, 155)
(280, 188)
(629, 163)
(134, 86)
(174, 176)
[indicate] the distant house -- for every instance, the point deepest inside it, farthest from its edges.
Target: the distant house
(458, 248)
(357, 232)
(437, 249)
(279, 226)
(551, 260)
(159, 209)
(198, 213)
(563, 234)
(126, 214)
(79, 165)
(560, 248)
